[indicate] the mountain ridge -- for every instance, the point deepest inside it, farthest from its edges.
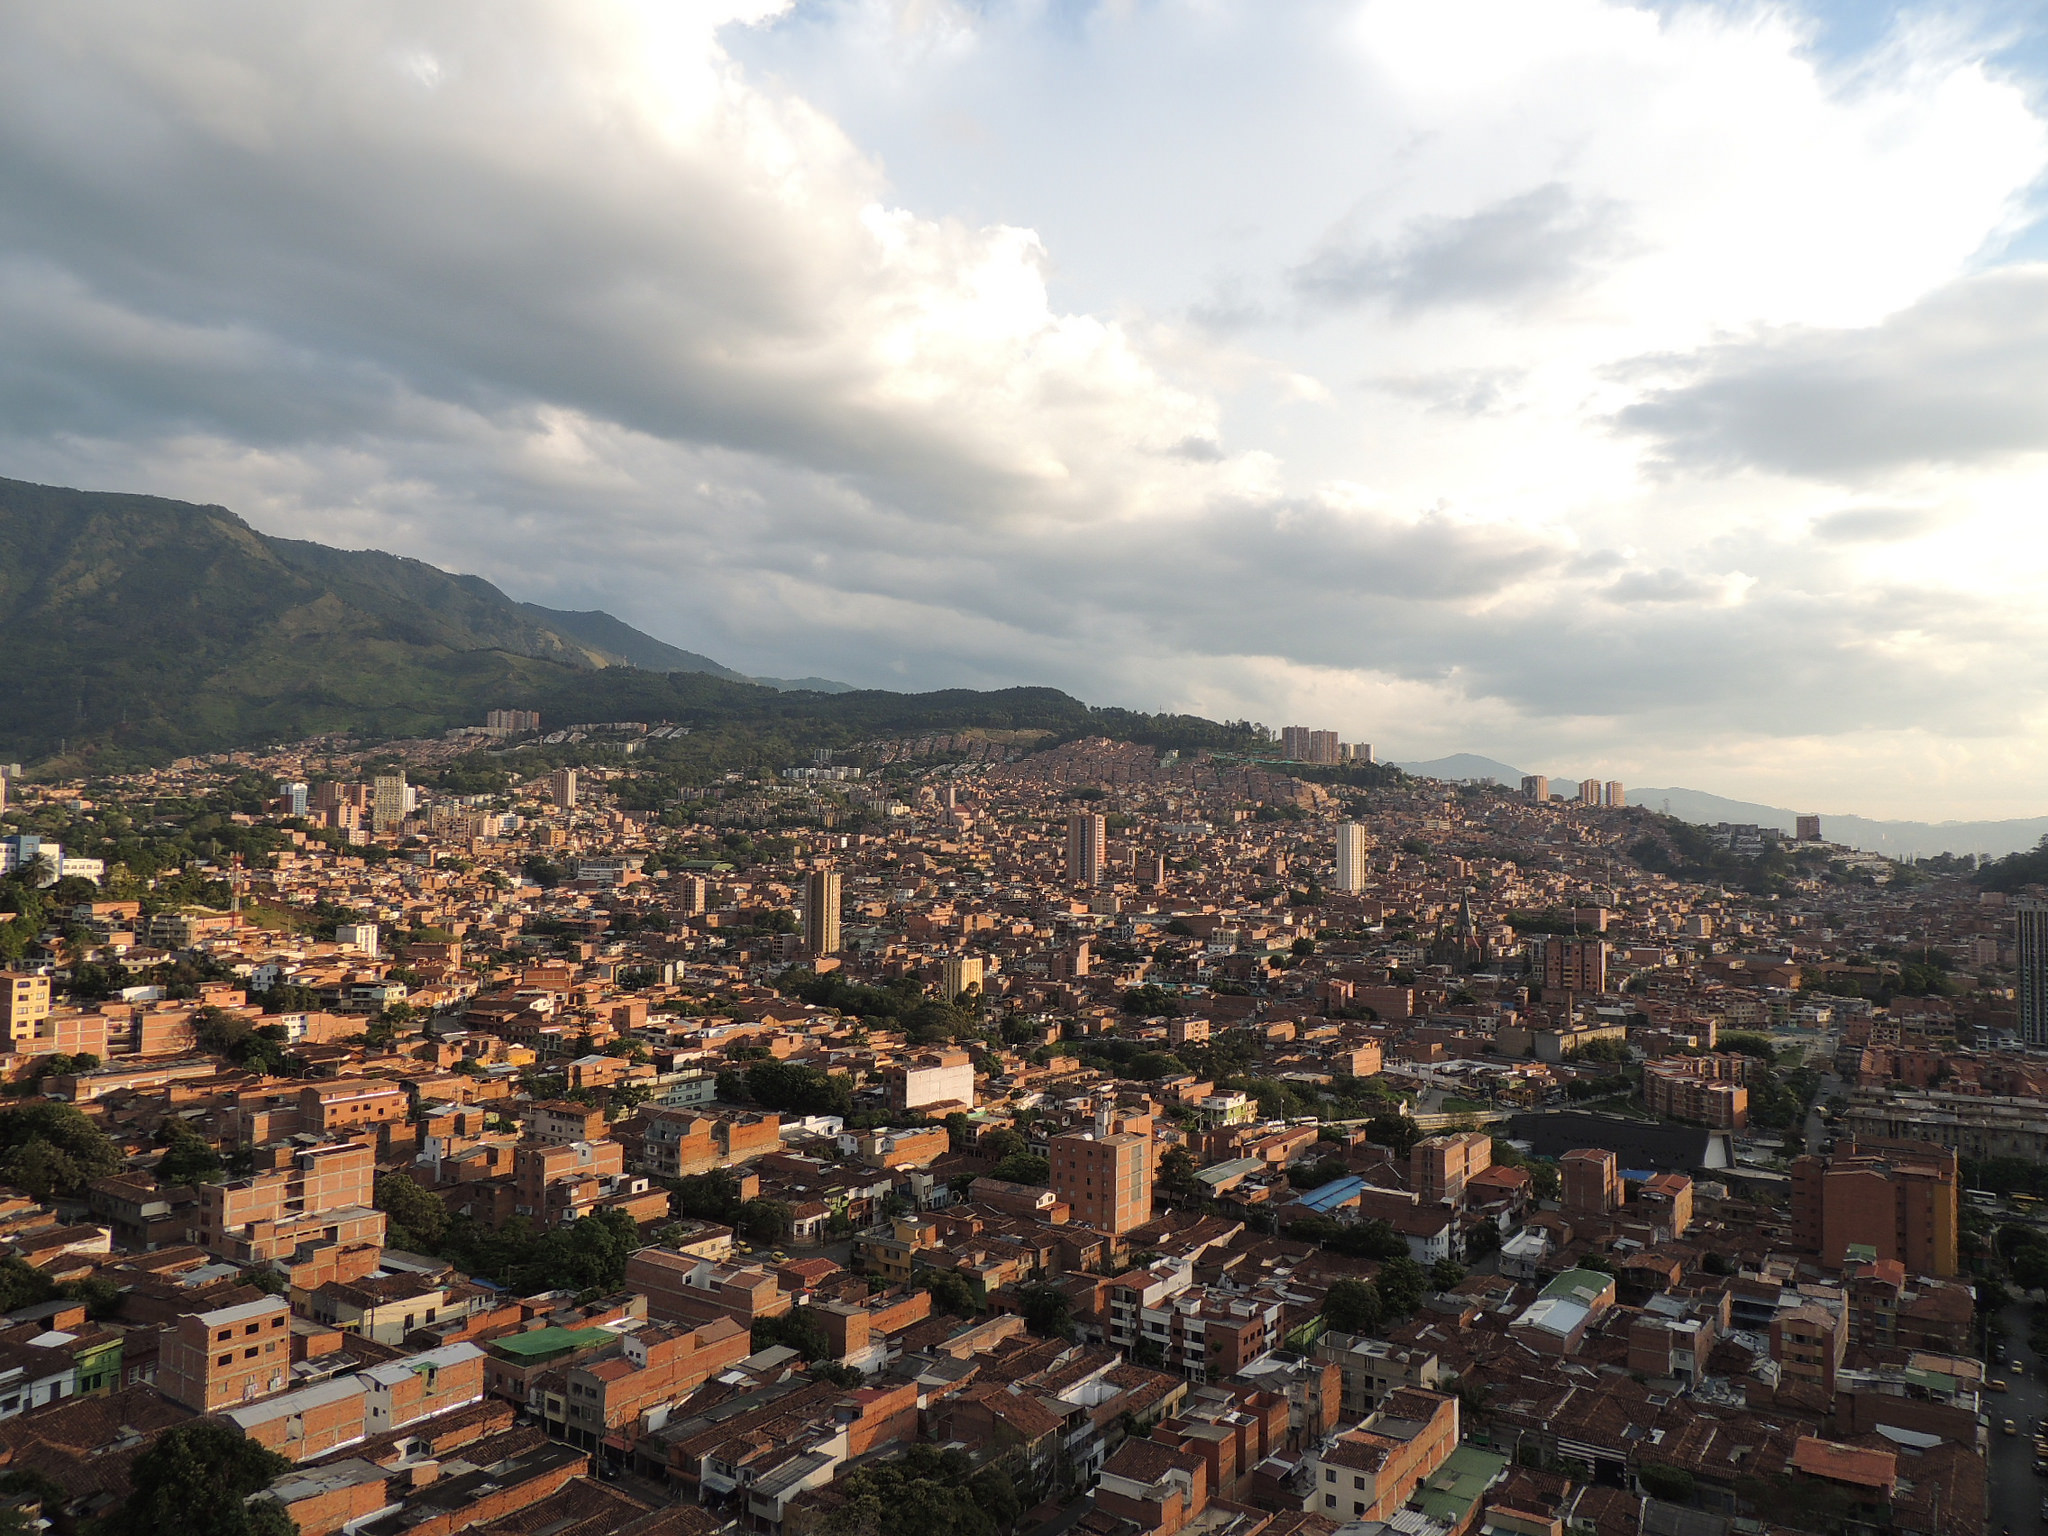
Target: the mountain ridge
(147, 627)
(1894, 839)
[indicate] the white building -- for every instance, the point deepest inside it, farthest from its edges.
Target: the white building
(1352, 847)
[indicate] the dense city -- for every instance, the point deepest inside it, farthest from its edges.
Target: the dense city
(544, 1129)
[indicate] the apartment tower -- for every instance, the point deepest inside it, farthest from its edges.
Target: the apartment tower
(821, 912)
(1087, 848)
(1352, 846)
(2030, 934)
(387, 802)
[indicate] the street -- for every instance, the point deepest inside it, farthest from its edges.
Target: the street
(2015, 1493)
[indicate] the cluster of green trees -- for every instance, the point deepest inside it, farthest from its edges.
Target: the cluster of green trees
(1397, 1291)
(48, 1148)
(1686, 852)
(2005, 1175)
(2025, 1252)
(588, 1256)
(197, 1479)
(2016, 871)
(923, 1020)
(715, 1196)
(23, 1285)
(189, 1158)
(925, 1492)
(791, 1088)
(259, 1047)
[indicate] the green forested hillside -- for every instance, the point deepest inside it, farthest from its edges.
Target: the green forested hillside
(134, 629)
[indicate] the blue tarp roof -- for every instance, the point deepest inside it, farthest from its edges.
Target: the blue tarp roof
(1327, 1197)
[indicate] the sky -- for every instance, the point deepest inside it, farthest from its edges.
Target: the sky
(1650, 391)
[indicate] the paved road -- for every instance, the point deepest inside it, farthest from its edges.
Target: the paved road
(1816, 1127)
(2016, 1493)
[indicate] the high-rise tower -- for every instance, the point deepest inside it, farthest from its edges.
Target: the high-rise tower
(1087, 848)
(821, 912)
(1352, 846)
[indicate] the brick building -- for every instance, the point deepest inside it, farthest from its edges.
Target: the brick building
(1106, 1180)
(214, 1360)
(1898, 1199)
(682, 1288)
(1439, 1167)
(656, 1366)
(1591, 1181)
(1706, 1090)
(1370, 1472)
(311, 1195)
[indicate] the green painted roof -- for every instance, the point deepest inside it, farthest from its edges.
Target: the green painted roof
(1573, 1282)
(1456, 1486)
(542, 1342)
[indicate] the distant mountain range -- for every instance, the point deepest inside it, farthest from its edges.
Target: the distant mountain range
(1465, 768)
(151, 626)
(1894, 839)
(134, 629)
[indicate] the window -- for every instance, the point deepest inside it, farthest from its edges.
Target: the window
(226, 1359)
(1329, 1501)
(1329, 1474)
(1358, 1482)
(250, 1353)
(1357, 1508)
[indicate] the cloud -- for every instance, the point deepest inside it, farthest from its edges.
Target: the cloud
(1960, 377)
(1518, 251)
(717, 316)
(1875, 525)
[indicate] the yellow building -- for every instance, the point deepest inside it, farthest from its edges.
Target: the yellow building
(24, 1002)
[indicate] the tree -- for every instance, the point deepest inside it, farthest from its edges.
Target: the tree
(1000, 1143)
(196, 1479)
(417, 1216)
(797, 1089)
(951, 1293)
(713, 1196)
(765, 1221)
(1353, 1306)
(1047, 1310)
(188, 1157)
(1177, 1175)
(22, 1285)
(1402, 1284)
(1395, 1131)
(1545, 1182)
(924, 1492)
(47, 1148)
(793, 1330)
(2030, 1269)
(1023, 1168)
(1446, 1273)
(1674, 1485)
